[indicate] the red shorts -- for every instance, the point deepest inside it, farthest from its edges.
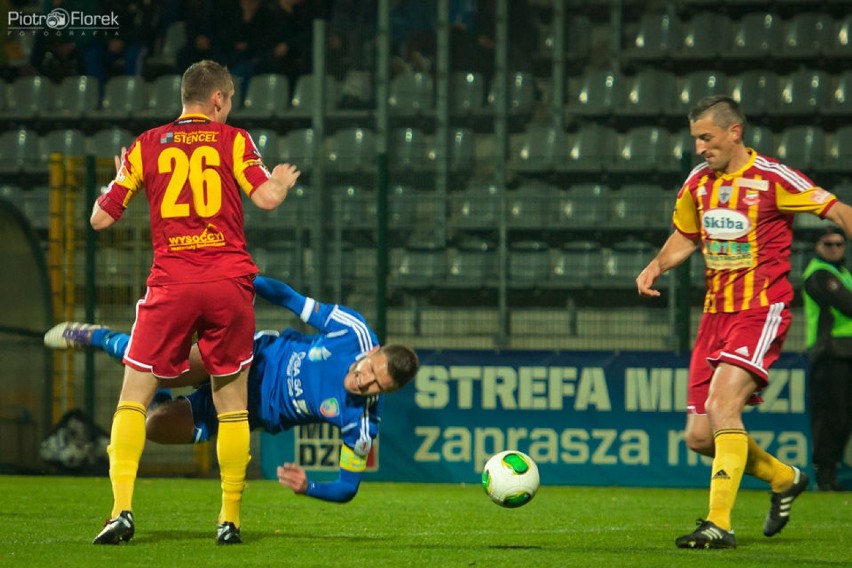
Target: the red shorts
(750, 340)
(221, 312)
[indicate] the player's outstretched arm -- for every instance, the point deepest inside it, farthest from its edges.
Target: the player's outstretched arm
(841, 215)
(676, 250)
(273, 191)
(341, 490)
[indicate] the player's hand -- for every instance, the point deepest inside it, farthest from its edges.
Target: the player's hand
(286, 175)
(646, 279)
(292, 476)
(120, 160)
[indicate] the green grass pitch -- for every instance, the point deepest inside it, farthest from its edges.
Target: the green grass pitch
(50, 521)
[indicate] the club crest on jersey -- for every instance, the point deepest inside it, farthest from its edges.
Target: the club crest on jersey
(725, 224)
(318, 354)
(725, 194)
(330, 408)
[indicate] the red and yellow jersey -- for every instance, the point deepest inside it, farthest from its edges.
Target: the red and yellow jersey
(192, 170)
(745, 222)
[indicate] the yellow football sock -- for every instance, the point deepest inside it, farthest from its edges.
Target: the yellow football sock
(126, 442)
(768, 468)
(232, 450)
(728, 466)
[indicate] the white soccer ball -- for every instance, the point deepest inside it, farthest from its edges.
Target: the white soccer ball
(510, 478)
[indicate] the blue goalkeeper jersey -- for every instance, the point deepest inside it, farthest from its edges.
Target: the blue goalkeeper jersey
(300, 376)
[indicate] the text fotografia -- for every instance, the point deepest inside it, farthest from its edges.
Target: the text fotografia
(60, 21)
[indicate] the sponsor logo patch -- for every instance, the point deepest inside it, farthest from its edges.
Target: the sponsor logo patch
(758, 184)
(725, 224)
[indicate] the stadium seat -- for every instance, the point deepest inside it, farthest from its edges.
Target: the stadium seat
(402, 206)
(77, 97)
(476, 207)
(27, 98)
(166, 56)
(303, 95)
(705, 37)
(640, 206)
(652, 93)
(529, 264)
(70, 142)
(531, 206)
(467, 93)
(542, 149)
(601, 94)
(841, 100)
(421, 265)
(805, 93)
(761, 139)
(756, 91)
(19, 151)
(164, 102)
(267, 144)
(583, 206)
(841, 46)
(697, 85)
(656, 38)
(576, 264)
(684, 144)
(352, 150)
(296, 148)
(592, 149)
(521, 91)
(282, 261)
(473, 265)
(462, 151)
(624, 261)
(800, 254)
(108, 143)
(267, 96)
(125, 97)
(354, 206)
(411, 94)
(645, 149)
(840, 150)
(758, 37)
(802, 147)
(697, 270)
(808, 34)
(34, 203)
(407, 152)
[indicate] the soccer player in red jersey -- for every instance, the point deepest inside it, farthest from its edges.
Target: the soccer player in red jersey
(192, 171)
(738, 206)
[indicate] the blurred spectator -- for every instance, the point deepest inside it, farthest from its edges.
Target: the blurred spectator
(197, 16)
(58, 55)
(291, 35)
(138, 21)
(243, 38)
(413, 34)
(522, 36)
(351, 34)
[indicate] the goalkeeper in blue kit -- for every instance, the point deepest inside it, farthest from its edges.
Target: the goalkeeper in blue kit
(336, 376)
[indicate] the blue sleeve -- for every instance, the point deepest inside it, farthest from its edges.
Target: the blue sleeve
(340, 491)
(325, 317)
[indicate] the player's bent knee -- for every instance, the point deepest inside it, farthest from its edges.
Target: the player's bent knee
(170, 423)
